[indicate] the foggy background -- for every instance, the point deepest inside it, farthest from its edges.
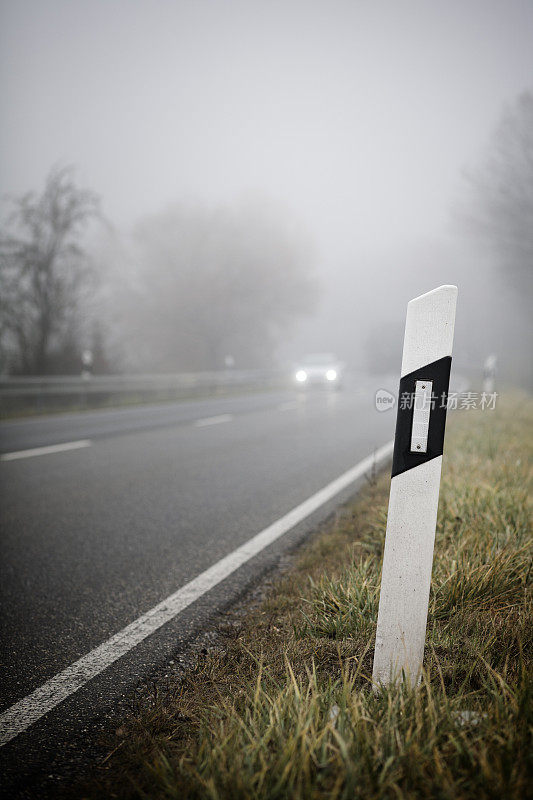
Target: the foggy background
(267, 178)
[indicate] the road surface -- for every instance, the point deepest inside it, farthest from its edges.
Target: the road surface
(147, 499)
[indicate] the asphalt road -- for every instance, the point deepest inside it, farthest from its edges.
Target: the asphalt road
(92, 538)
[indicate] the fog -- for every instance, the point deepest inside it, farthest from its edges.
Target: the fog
(352, 123)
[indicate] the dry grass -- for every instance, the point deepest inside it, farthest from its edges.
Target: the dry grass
(285, 709)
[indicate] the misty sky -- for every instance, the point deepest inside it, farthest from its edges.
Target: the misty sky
(349, 113)
(357, 117)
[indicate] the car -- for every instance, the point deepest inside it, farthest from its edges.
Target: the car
(319, 369)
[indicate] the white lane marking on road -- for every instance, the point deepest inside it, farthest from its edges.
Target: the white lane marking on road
(288, 406)
(201, 423)
(25, 712)
(44, 451)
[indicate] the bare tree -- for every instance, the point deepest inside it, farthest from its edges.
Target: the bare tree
(501, 203)
(499, 213)
(214, 282)
(42, 269)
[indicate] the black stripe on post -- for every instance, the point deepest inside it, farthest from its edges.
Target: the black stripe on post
(439, 373)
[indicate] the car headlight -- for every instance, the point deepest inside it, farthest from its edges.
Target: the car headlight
(331, 375)
(301, 376)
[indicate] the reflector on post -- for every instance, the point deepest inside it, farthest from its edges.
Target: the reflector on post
(421, 411)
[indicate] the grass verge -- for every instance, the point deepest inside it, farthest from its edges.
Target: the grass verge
(282, 707)
(40, 406)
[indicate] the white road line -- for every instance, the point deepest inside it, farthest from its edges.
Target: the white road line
(44, 451)
(201, 423)
(21, 715)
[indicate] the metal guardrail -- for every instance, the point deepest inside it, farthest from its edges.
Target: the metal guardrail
(40, 394)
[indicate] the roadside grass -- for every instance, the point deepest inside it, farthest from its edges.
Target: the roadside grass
(282, 707)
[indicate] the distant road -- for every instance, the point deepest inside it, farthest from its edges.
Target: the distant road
(107, 513)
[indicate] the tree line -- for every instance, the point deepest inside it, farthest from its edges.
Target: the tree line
(200, 288)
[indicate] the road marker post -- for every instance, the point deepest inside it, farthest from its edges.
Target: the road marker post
(489, 373)
(414, 492)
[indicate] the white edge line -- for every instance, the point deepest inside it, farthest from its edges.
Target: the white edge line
(43, 451)
(25, 712)
(201, 423)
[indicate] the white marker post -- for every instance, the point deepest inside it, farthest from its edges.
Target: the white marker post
(489, 373)
(414, 492)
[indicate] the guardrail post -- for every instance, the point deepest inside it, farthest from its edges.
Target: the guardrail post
(414, 492)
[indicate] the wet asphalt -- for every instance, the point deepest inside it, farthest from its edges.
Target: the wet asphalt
(93, 538)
